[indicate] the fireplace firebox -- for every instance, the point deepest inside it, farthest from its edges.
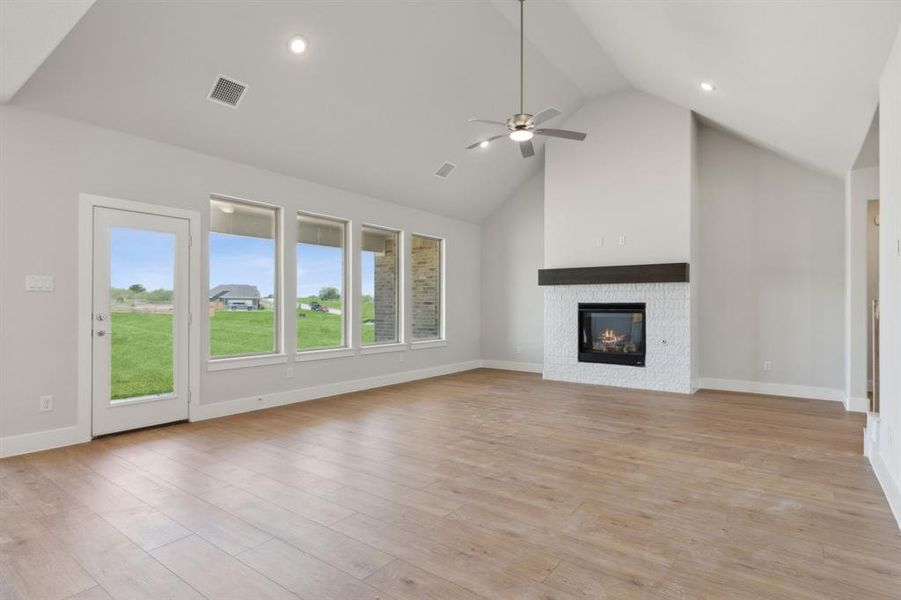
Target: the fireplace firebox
(612, 333)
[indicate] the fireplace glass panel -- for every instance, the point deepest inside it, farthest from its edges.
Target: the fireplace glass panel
(612, 333)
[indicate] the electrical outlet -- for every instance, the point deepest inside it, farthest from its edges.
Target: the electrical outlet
(599, 242)
(767, 365)
(401, 357)
(46, 403)
(519, 349)
(622, 240)
(289, 372)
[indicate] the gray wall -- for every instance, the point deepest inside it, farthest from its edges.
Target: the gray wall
(512, 253)
(772, 258)
(631, 177)
(48, 161)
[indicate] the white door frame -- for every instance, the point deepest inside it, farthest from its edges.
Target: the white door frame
(87, 203)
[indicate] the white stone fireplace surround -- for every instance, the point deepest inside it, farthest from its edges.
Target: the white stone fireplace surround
(668, 325)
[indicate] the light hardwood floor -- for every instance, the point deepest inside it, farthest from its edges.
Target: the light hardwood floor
(485, 484)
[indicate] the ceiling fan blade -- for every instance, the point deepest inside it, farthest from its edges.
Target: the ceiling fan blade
(490, 139)
(527, 148)
(561, 133)
(474, 120)
(546, 115)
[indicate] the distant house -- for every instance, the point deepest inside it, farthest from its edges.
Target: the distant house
(236, 296)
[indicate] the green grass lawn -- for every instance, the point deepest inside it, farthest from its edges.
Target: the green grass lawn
(142, 342)
(141, 354)
(234, 332)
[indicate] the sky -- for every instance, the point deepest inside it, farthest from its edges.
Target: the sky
(146, 257)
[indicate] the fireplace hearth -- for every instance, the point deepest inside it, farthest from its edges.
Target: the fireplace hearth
(612, 333)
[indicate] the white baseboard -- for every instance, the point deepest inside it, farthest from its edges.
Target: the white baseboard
(241, 405)
(883, 476)
(860, 405)
(508, 365)
(40, 440)
(772, 389)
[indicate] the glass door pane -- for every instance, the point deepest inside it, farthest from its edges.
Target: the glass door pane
(142, 300)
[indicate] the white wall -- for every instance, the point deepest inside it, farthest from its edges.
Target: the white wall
(512, 253)
(882, 443)
(772, 257)
(861, 186)
(631, 177)
(48, 161)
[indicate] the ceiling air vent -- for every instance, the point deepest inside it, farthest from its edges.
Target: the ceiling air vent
(445, 170)
(227, 91)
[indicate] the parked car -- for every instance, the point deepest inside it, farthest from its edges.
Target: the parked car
(240, 305)
(317, 307)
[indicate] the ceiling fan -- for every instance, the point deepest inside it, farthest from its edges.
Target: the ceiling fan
(522, 126)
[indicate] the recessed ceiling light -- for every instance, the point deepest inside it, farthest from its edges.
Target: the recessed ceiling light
(227, 209)
(521, 135)
(297, 45)
(484, 144)
(707, 86)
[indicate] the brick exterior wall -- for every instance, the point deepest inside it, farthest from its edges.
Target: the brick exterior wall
(425, 255)
(385, 296)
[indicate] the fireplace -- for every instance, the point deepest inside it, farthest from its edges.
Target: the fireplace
(612, 333)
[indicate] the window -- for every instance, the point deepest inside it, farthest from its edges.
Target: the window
(380, 306)
(425, 265)
(321, 299)
(243, 282)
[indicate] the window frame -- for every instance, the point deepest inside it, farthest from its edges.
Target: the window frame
(346, 293)
(400, 288)
(277, 355)
(441, 340)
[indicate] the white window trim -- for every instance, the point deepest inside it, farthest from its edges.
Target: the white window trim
(401, 294)
(383, 348)
(236, 361)
(425, 344)
(323, 354)
(441, 340)
(346, 294)
(242, 362)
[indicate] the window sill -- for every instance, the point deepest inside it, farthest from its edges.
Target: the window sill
(424, 344)
(242, 362)
(325, 353)
(380, 348)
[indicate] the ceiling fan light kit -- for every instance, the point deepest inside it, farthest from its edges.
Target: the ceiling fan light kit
(522, 126)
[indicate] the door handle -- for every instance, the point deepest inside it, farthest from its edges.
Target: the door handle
(101, 333)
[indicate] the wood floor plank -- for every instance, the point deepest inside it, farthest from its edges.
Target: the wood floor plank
(407, 582)
(145, 526)
(483, 484)
(32, 566)
(123, 570)
(216, 574)
(306, 575)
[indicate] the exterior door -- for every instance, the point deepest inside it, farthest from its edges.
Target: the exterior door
(140, 320)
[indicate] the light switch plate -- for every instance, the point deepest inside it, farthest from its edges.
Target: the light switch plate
(38, 283)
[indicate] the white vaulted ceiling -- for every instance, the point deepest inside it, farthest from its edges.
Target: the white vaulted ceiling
(29, 31)
(381, 98)
(797, 76)
(378, 102)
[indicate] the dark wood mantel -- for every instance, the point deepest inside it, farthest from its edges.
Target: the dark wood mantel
(660, 273)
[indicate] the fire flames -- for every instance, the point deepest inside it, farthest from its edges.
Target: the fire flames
(610, 338)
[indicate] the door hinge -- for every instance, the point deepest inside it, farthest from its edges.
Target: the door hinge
(190, 318)
(189, 397)
(190, 240)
